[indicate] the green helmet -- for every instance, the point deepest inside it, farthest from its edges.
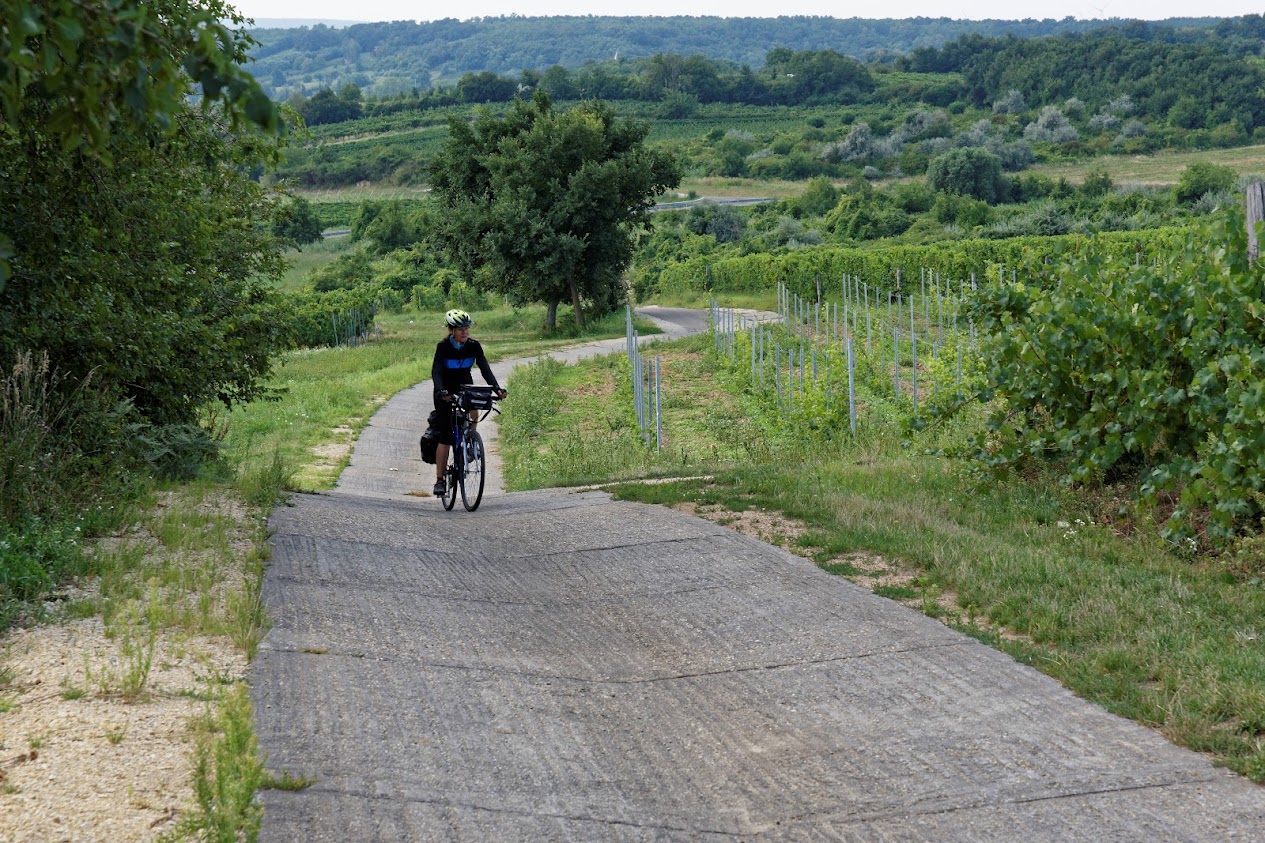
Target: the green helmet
(457, 319)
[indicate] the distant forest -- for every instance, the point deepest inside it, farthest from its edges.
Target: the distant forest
(385, 59)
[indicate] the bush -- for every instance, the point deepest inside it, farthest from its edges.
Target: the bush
(1200, 178)
(34, 555)
(818, 198)
(969, 172)
(297, 222)
(1051, 126)
(426, 297)
(961, 211)
(337, 317)
(61, 441)
(1123, 367)
(175, 451)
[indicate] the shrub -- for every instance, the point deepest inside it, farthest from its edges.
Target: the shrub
(1097, 183)
(330, 318)
(297, 222)
(817, 199)
(1116, 365)
(427, 297)
(466, 297)
(1051, 126)
(968, 172)
(34, 555)
(1200, 178)
(61, 441)
(1012, 103)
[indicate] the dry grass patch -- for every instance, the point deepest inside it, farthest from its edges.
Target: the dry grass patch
(106, 768)
(95, 736)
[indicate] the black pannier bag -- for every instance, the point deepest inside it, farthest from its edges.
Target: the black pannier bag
(430, 439)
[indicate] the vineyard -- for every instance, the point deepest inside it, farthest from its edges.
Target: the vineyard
(1116, 359)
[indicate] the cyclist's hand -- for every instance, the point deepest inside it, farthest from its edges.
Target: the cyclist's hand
(446, 397)
(500, 393)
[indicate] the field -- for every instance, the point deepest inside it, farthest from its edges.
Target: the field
(1162, 168)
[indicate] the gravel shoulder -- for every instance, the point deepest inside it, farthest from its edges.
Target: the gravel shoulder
(97, 722)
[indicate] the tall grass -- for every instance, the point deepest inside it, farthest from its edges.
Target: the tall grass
(569, 425)
(62, 476)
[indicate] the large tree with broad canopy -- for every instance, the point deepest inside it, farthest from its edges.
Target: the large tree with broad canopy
(542, 205)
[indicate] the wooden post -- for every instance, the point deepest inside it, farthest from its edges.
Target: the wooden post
(1255, 213)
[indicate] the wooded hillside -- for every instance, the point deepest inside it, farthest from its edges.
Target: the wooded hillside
(389, 58)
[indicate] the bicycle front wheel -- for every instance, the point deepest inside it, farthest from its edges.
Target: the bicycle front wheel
(451, 474)
(475, 469)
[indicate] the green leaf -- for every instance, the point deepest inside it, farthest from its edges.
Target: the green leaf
(69, 30)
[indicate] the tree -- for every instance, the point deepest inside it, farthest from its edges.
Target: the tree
(80, 72)
(486, 87)
(327, 107)
(542, 205)
(140, 244)
(972, 172)
(297, 222)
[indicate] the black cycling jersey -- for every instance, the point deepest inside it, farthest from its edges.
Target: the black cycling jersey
(451, 369)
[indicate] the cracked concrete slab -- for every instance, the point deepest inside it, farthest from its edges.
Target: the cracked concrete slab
(562, 666)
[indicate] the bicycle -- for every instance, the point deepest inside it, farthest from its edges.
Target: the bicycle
(467, 458)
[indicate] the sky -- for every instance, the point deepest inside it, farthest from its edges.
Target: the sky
(424, 10)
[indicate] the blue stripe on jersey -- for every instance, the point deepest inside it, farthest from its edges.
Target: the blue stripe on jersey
(463, 363)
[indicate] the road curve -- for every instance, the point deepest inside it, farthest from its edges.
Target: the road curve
(562, 666)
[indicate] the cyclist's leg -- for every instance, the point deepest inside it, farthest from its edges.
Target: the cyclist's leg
(443, 424)
(441, 461)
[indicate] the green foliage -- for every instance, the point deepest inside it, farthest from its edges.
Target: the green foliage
(879, 267)
(91, 69)
(227, 770)
(351, 269)
(297, 222)
(1147, 65)
(951, 208)
(1202, 178)
(972, 172)
(817, 199)
(1096, 183)
(262, 481)
(34, 555)
(391, 226)
(540, 205)
(147, 270)
(327, 107)
(174, 451)
(426, 297)
(63, 442)
(333, 317)
(1151, 369)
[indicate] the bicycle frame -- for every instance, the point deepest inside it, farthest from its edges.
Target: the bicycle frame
(456, 472)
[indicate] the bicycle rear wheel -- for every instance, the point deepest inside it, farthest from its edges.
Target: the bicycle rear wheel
(475, 469)
(451, 474)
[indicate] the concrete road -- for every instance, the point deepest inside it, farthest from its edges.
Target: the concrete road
(561, 666)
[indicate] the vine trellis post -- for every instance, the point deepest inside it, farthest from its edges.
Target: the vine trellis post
(1255, 213)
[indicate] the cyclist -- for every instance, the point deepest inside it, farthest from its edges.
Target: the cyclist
(455, 356)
